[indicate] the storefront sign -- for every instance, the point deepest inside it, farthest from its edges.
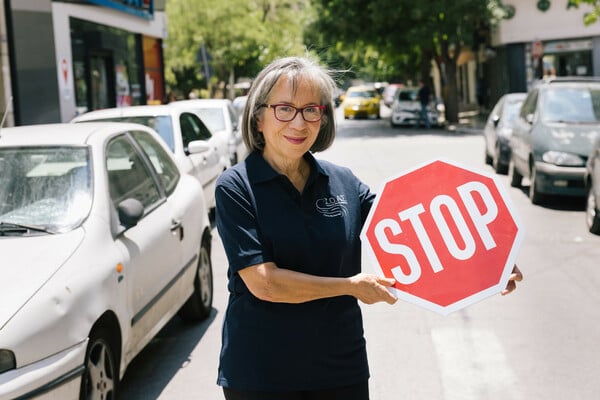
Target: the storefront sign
(567, 46)
(140, 8)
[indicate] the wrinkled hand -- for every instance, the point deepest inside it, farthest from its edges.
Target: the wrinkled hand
(372, 289)
(515, 277)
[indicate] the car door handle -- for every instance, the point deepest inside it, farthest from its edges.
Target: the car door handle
(176, 225)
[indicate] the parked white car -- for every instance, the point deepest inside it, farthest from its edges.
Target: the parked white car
(195, 148)
(103, 240)
(223, 120)
(406, 109)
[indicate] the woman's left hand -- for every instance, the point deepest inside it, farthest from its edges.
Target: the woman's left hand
(515, 276)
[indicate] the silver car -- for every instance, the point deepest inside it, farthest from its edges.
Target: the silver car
(558, 123)
(498, 130)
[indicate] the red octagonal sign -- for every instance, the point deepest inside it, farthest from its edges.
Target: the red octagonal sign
(446, 233)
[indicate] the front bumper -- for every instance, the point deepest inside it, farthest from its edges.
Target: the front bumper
(554, 179)
(411, 118)
(361, 111)
(55, 377)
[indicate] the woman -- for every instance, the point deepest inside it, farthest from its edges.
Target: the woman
(290, 227)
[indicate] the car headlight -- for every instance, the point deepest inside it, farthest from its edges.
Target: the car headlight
(561, 158)
(505, 132)
(7, 360)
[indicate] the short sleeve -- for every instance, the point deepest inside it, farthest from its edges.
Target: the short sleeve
(236, 222)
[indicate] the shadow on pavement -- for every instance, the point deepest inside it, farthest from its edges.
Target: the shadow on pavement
(154, 367)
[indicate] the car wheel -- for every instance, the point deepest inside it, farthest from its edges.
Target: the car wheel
(488, 158)
(498, 166)
(199, 305)
(592, 215)
(534, 194)
(514, 176)
(100, 379)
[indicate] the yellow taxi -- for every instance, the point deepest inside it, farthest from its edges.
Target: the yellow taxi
(361, 101)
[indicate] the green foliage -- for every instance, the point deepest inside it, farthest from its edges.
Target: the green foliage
(240, 37)
(590, 17)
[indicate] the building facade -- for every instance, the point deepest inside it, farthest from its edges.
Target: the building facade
(68, 57)
(539, 38)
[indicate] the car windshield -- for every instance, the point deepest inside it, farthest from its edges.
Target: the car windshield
(160, 123)
(363, 93)
(407, 95)
(572, 104)
(511, 110)
(213, 118)
(44, 188)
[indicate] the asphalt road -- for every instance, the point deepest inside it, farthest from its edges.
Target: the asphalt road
(541, 342)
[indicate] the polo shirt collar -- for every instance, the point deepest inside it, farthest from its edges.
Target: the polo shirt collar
(259, 169)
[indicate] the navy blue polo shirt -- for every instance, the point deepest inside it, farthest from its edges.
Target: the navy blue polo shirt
(261, 217)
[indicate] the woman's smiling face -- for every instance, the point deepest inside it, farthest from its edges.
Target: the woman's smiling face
(292, 139)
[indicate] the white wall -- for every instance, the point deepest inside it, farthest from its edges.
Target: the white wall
(530, 24)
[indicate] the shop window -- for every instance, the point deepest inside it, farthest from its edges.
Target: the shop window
(108, 66)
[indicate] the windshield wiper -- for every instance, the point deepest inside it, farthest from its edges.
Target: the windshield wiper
(6, 228)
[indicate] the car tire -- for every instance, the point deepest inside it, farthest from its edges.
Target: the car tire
(199, 305)
(592, 214)
(100, 379)
(534, 194)
(514, 176)
(488, 159)
(500, 168)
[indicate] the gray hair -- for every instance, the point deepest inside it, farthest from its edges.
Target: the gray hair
(295, 69)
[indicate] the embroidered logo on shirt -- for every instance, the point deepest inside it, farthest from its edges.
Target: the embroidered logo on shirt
(332, 206)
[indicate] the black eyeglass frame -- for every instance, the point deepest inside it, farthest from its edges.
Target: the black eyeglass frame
(298, 110)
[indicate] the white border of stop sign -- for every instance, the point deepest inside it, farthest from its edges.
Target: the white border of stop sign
(411, 268)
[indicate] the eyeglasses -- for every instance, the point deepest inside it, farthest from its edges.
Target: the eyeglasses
(286, 112)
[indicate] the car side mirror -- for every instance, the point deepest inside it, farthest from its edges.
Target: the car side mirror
(529, 119)
(198, 146)
(495, 120)
(130, 212)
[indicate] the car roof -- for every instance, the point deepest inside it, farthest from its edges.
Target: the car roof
(130, 111)
(61, 133)
(515, 95)
(360, 88)
(202, 102)
(566, 80)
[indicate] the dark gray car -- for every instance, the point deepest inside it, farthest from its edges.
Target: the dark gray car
(552, 138)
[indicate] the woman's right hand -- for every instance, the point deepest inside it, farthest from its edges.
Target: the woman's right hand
(372, 289)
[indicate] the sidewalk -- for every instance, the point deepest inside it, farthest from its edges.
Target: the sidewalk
(469, 122)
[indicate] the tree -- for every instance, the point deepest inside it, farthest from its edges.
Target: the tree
(590, 17)
(235, 37)
(415, 32)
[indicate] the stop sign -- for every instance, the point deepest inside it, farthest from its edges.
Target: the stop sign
(446, 233)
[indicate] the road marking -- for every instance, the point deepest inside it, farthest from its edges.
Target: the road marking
(473, 365)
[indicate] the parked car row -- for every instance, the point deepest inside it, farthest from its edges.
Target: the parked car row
(104, 238)
(553, 141)
(105, 235)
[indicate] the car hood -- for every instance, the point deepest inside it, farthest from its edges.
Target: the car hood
(409, 105)
(28, 263)
(576, 139)
(359, 101)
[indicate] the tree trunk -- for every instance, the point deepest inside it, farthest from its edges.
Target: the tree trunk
(449, 85)
(450, 91)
